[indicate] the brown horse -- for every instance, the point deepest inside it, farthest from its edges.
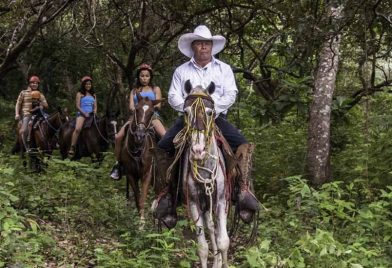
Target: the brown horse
(95, 137)
(136, 157)
(42, 138)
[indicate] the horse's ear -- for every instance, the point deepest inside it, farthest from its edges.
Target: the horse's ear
(211, 88)
(188, 86)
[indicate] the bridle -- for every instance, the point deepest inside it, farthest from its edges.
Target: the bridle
(139, 125)
(196, 101)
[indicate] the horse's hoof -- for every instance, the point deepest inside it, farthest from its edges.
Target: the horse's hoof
(169, 221)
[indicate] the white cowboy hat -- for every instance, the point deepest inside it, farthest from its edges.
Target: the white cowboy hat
(201, 32)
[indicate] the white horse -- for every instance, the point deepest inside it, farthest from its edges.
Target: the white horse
(203, 175)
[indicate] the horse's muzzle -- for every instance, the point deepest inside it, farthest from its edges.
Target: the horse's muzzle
(198, 152)
(140, 133)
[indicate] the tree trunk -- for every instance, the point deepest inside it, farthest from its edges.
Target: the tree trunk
(318, 165)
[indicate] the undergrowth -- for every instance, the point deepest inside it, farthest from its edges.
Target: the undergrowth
(73, 214)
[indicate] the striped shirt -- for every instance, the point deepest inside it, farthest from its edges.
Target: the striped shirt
(24, 103)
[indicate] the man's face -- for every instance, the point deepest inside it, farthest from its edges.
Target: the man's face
(34, 85)
(202, 50)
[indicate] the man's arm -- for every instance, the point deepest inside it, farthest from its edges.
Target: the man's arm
(230, 91)
(175, 96)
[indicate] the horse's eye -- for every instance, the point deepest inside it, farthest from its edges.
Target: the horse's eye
(209, 112)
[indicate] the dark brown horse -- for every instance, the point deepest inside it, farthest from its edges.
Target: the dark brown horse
(95, 137)
(42, 137)
(136, 157)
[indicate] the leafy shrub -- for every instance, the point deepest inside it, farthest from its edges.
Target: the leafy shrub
(330, 227)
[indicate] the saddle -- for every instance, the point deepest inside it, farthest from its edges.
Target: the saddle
(169, 166)
(168, 170)
(228, 154)
(87, 123)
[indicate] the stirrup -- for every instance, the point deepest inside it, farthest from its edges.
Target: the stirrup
(247, 204)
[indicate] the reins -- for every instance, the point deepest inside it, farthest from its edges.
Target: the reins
(99, 131)
(50, 125)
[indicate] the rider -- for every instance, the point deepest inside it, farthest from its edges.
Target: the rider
(202, 69)
(24, 104)
(146, 88)
(36, 110)
(86, 103)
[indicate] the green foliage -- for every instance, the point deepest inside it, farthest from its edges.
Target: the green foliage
(21, 239)
(153, 250)
(73, 213)
(336, 226)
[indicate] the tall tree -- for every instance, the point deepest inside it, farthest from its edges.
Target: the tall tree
(21, 21)
(318, 165)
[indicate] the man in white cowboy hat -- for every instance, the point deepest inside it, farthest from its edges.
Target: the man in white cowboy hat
(202, 69)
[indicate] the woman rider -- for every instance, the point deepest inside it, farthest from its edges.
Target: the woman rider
(86, 104)
(145, 88)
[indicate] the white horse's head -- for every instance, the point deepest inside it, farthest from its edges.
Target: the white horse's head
(199, 118)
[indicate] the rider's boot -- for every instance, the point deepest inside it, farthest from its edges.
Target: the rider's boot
(247, 202)
(115, 174)
(164, 206)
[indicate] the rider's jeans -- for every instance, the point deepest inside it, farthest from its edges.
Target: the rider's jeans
(233, 136)
(24, 128)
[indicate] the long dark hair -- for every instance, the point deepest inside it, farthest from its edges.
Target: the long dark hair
(138, 84)
(83, 89)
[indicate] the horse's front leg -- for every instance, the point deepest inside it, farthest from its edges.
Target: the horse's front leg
(211, 229)
(93, 148)
(198, 220)
(135, 187)
(222, 237)
(144, 192)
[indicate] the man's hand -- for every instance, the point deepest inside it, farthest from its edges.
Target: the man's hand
(17, 117)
